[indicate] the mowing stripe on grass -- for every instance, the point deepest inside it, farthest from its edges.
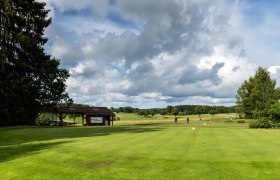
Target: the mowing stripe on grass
(139, 152)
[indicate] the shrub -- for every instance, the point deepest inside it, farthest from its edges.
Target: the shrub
(254, 124)
(240, 121)
(275, 124)
(274, 121)
(44, 118)
(228, 121)
(261, 123)
(116, 118)
(240, 116)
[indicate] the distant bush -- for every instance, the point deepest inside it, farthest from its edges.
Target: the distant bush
(261, 123)
(240, 116)
(240, 121)
(275, 124)
(216, 119)
(116, 118)
(254, 124)
(44, 118)
(228, 121)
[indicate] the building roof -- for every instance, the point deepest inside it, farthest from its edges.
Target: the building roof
(92, 111)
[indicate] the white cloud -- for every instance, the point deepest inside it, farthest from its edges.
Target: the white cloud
(184, 52)
(99, 7)
(210, 100)
(274, 69)
(275, 74)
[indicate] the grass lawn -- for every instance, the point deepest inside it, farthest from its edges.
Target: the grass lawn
(132, 118)
(221, 120)
(159, 151)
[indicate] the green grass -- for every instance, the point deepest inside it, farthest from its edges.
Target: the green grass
(160, 151)
(135, 117)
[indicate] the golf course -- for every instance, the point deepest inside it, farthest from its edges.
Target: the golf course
(141, 149)
(139, 90)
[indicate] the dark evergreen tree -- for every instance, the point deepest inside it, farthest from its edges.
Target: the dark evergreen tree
(29, 78)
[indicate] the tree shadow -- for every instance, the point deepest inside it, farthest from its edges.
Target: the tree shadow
(16, 136)
(8, 153)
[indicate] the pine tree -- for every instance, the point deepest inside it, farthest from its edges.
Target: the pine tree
(29, 78)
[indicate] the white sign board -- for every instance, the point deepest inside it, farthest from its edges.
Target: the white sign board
(96, 120)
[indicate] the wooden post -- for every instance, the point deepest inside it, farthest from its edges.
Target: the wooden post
(83, 117)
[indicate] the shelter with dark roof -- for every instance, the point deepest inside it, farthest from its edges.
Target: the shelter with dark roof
(91, 116)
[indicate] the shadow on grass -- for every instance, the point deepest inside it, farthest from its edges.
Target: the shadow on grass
(8, 153)
(16, 136)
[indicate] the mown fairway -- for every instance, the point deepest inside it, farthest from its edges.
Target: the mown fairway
(164, 151)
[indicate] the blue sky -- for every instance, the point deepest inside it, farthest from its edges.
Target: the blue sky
(158, 53)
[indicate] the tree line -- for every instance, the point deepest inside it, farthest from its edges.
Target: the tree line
(181, 109)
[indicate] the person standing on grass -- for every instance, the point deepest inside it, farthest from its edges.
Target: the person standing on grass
(188, 120)
(200, 119)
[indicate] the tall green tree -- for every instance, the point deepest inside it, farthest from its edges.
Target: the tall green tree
(257, 94)
(30, 79)
(175, 112)
(163, 112)
(152, 112)
(169, 109)
(199, 110)
(212, 112)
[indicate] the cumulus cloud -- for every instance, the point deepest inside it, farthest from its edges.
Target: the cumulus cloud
(275, 73)
(150, 53)
(98, 7)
